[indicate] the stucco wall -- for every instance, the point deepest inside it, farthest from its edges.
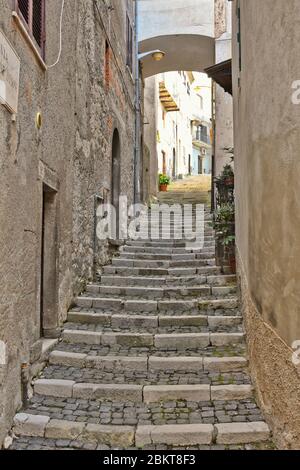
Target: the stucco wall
(72, 154)
(267, 142)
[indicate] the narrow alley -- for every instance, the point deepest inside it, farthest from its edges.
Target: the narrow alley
(149, 230)
(152, 357)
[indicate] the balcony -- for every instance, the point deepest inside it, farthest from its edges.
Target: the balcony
(167, 100)
(201, 139)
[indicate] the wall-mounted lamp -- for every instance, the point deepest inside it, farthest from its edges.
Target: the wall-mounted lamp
(156, 55)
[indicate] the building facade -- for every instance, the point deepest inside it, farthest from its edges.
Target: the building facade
(223, 121)
(67, 137)
(267, 140)
(178, 124)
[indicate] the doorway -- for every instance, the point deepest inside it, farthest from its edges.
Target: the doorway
(48, 291)
(116, 175)
(174, 164)
(164, 163)
(200, 165)
(190, 165)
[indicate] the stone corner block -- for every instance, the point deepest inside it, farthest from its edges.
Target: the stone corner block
(54, 388)
(242, 433)
(30, 425)
(231, 392)
(68, 359)
(119, 436)
(143, 436)
(59, 429)
(183, 435)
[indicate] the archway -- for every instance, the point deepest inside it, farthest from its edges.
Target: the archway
(183, 52)
(185, 32)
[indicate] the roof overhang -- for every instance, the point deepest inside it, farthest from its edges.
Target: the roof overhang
(222, 74)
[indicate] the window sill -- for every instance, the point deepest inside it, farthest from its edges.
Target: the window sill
(29, 40)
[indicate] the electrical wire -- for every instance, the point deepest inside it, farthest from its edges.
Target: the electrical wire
(60, 36)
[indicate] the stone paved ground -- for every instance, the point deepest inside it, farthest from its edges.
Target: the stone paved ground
(149, 368)
(66, 444)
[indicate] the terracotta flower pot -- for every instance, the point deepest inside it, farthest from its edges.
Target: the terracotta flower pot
(232, 263)
(229, 181)
(163, 188)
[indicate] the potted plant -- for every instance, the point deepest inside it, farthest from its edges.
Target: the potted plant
(164, 182)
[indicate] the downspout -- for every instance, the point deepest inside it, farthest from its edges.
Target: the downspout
(213, 169)
(137, 150)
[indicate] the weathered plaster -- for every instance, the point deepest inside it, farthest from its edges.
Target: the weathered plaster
(267, 141)
(71, 153)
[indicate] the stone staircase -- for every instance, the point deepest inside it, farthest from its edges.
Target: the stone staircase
(152, 357)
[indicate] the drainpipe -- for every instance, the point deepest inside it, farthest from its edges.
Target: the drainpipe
(213, 169)
(137, 150)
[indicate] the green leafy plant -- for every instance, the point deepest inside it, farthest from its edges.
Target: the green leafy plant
(227, 172)
(228, 240)
(164, 179)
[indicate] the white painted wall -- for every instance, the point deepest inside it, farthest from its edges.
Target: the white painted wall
(224, 104)
(184, 30)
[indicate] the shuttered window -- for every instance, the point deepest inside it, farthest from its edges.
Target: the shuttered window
(33, 14)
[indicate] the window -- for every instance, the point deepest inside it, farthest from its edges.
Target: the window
(129, 59)
(32, 12)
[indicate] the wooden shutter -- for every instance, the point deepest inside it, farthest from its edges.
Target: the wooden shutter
(33, 13)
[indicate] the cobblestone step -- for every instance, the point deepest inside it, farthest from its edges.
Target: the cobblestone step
(174, 243)
(117, 304)
(154, 321)
(178, 282)
(43, 444)
(148, 363)
(153, 355)
(164, 251)
(168, 292)
(124, 436)
(62, 388)
(172, 272)
(166, 257)
(128, 263)
(95, 371)
(177, 341)
(210, 352)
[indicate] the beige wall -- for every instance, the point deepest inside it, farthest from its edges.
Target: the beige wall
(267, 142)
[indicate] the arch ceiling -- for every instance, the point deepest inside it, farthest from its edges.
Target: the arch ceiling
(184, 30)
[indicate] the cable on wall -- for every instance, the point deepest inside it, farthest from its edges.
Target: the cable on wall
(60, 36)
